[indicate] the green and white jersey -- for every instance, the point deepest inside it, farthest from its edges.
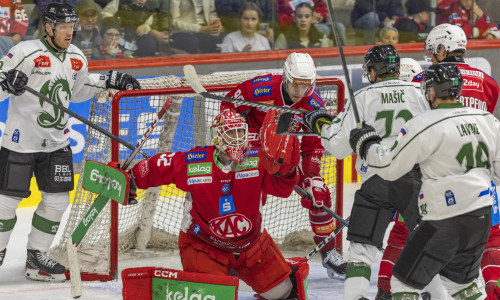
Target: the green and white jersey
(36, 126)
(385, 105)
(458, 149)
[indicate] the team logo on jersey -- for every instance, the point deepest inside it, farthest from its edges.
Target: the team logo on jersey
(42, 61)
(226, 205)
(450, 198)
(60, 92)
(196, 229)
(314, 103)
(196, 156)
(143, 168)
(247, 174)
(76, 64)
(230, 226)
(419, 77)
(15, 136)
(199, 169)
(199, 180)
(262, 91)
(261, 79)
(226, 188)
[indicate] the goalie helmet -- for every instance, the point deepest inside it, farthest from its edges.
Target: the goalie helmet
(298, 70)
(408, 68)
(61, 13)
(444, 78)
(384, 59)
(226, 134)
(449, 36)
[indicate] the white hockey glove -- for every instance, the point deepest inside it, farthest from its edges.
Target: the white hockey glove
(14, 82)
(121, 81)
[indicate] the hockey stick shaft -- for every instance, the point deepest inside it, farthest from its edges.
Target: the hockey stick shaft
(326, 240)
(82, 119)
(338, 41)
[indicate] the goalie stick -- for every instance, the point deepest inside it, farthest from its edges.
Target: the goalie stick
(98, 205)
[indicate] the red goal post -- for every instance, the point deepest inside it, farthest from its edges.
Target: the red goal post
(155, 221)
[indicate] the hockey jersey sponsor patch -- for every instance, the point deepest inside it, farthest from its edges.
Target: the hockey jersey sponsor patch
(196, 156)
(199, 180)
(226, 188)
(313, 102)
(262, 91)
(226, 205)
(230, 226)
(250, 163)
(261, 79)
(251, 153)
(76, 64)
(196, 229)
(199, 169)
(450, 198)
(473, 83)
(42, 61)
(247, 174)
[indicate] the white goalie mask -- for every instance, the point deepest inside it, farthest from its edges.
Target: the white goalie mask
(408, 68)
(230, 134)
(447, 36)
(299, 71)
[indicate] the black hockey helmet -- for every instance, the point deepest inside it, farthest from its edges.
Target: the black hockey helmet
(61, 13)
(445, 78)
(384, 59)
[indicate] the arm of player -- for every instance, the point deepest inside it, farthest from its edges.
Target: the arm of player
(156, 171)
(15, 61)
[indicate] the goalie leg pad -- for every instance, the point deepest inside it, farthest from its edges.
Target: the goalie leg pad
(369, 220)
(300, 271)
(54, 171)
(197, 256)
(17, 170)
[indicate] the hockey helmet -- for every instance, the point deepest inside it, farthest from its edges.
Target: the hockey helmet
(299, 70)
(61, 13)
(444, 78)
(408, 68)
(447, 36)
(384, 59)
(226, 134)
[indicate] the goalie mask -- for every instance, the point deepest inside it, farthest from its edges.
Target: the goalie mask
(442, 80)
(299, 76)
(230, 134)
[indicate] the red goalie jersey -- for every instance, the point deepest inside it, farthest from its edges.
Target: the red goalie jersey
(223, 207)
(13, 18)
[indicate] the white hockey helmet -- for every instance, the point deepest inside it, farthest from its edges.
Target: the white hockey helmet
(408, 68)
(226, 137)
(299, 69)
(449, 36)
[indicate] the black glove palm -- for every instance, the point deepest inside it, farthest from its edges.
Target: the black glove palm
(362, 138)
(14, 82)
(314, 119)
(121, 81)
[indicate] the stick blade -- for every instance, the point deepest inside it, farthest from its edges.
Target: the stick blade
(74, 270)
(192, 79)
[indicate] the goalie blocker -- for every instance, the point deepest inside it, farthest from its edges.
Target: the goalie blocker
(159, 283)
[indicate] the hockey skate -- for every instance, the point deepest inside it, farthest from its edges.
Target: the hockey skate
(42, 268)
(335, 264)
(2, 255)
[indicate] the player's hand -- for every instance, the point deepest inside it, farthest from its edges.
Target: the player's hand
(132, 191)
(316, 188)
(14, 82)
(316, 118)
(362, 138)
(121, 81)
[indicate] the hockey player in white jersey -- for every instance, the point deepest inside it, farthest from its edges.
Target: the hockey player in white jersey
(35, 138)
(458, 150)
(387, 104)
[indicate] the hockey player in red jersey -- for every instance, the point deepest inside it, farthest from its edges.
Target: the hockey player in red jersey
(296, 89)
(226, 187)
(447, 43)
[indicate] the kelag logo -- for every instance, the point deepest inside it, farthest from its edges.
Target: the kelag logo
(262, 91)
(196, 156)
(199, 169)
(261, 79)
(249, 163)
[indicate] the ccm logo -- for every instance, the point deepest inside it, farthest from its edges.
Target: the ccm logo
(165, 274)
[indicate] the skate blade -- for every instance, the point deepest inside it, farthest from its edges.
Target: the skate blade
(334, 275)
(39, 275)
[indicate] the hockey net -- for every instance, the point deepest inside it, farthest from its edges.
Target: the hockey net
(155, 221)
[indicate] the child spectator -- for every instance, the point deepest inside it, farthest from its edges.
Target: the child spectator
(246, 38)
(414, 27)
(89, 35)
(388, 36)
(110, 46)
(468, 15)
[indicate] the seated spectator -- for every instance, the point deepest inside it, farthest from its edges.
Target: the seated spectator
(138, 23)
(388, 36)
(110, 47)
(368, 21)
(247, 38)
(414, 28)
(196, 28)
(13, 22)
(468, 15)
(89, 35)
(302, 34)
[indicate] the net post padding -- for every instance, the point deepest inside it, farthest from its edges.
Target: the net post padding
(155, 221)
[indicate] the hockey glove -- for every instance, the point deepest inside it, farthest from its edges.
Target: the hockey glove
(315, 187)
(316, 118)
(132, 191)
(362, 138)
(14, 82)
(121, 81)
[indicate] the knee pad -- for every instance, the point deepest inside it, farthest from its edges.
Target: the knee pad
(8, 206)
(53, 205)
(362, 253)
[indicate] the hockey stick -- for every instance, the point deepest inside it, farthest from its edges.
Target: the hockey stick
(325, 241)
(328, 210)
(82, 119)
(338, 41)
(96, 208)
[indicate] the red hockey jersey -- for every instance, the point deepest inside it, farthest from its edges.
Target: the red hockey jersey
(479, 90)
(267, 89)
(222, 207)
(13, 18)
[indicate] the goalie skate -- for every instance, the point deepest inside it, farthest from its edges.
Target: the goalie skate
(2, 255)
(335, 264)
(40, 267)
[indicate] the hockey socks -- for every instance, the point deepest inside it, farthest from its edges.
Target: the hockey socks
(357, 280)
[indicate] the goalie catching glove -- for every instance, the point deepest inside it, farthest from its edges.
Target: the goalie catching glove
(317, 191)
(280, 153)
(132, 192)
(316, 118)
(362, 138)
(121, 81)
(14, 82)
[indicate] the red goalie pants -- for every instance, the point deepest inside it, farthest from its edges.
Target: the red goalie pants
(261, 267)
